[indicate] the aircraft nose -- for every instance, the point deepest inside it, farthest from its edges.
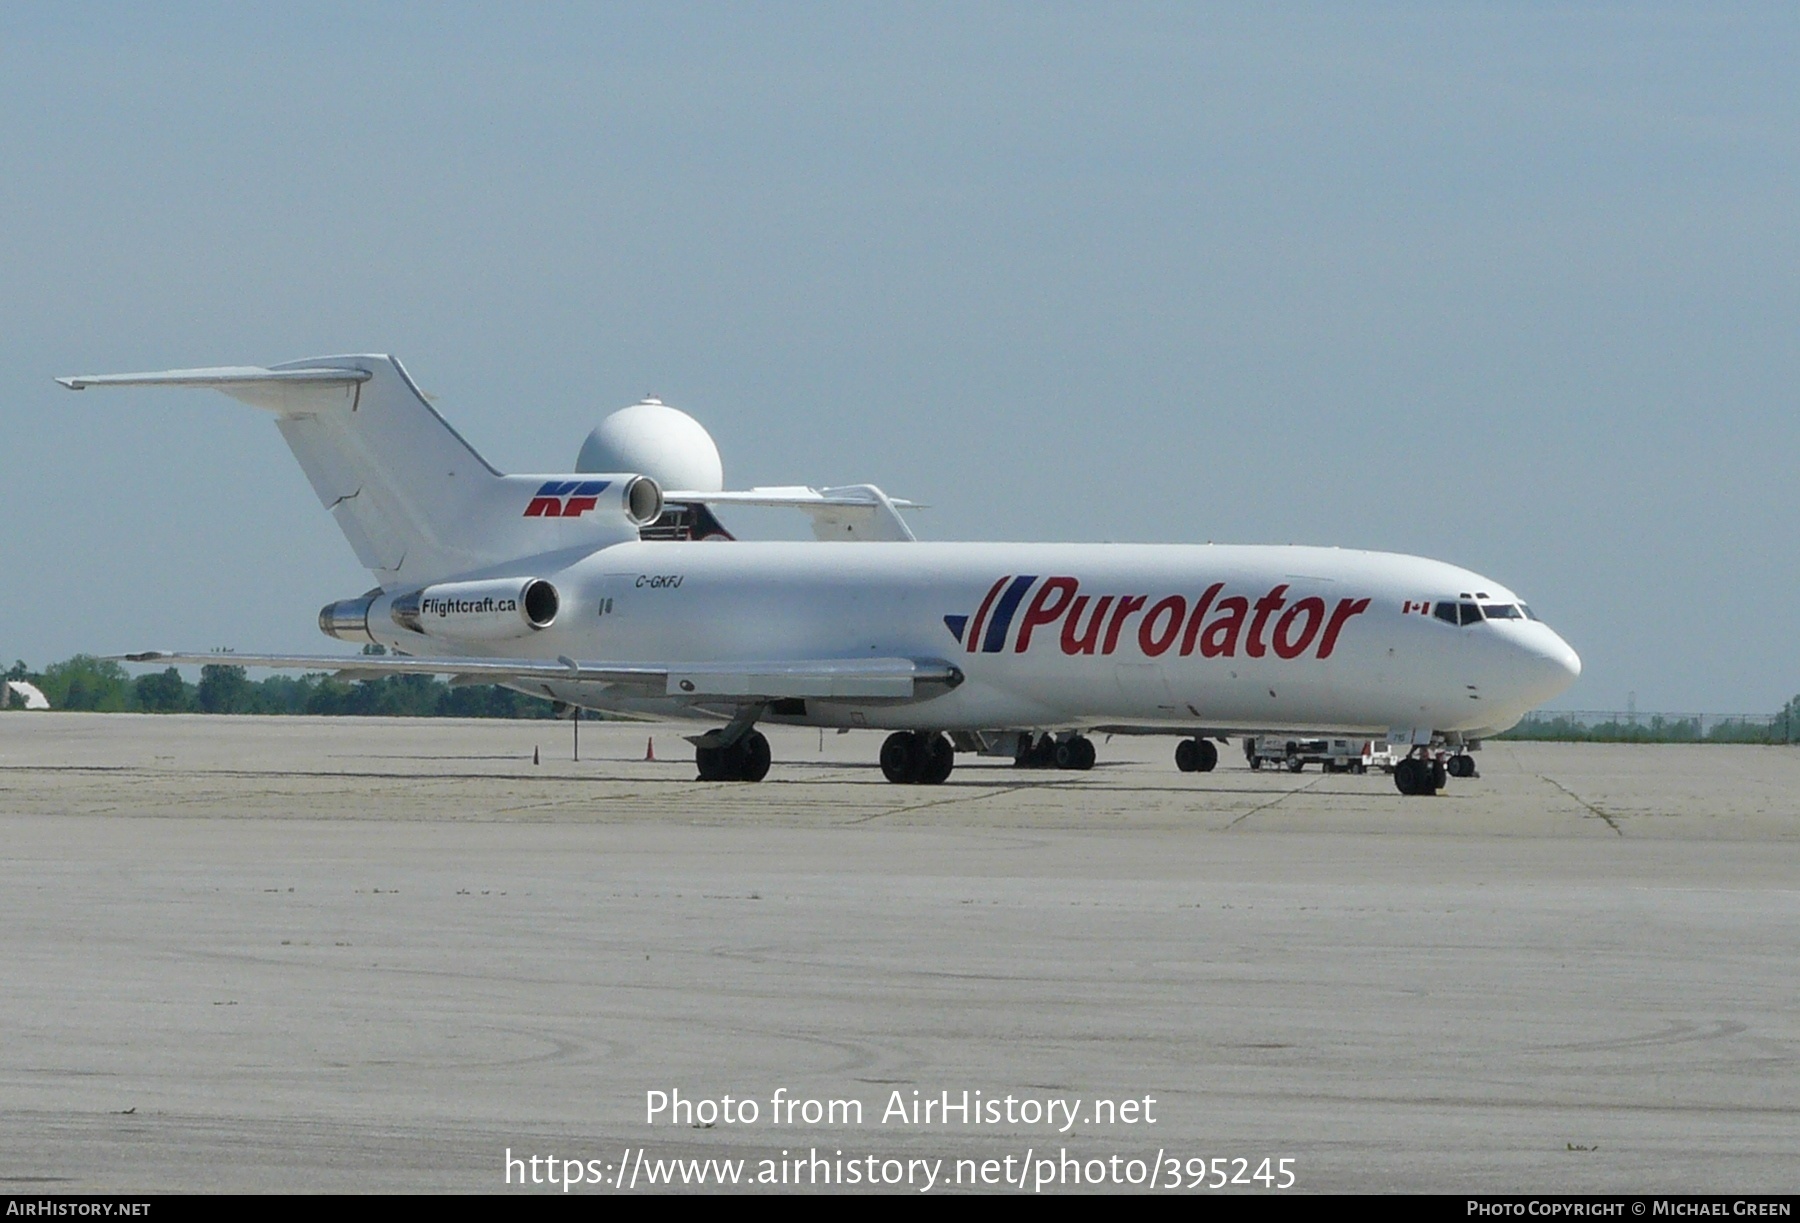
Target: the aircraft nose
(1551, 662)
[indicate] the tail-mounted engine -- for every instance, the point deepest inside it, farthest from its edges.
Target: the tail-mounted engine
(637, 499)
(493, 609)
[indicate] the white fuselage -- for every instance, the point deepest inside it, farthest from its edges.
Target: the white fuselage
(1208, 638)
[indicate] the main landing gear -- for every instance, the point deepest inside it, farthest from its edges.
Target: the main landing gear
(1048, 752)
(1417, 775)
(1423, 773)
(745, 760)
(917, 757)
(1196, 756)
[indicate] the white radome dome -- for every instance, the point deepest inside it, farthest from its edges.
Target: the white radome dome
(652, 439)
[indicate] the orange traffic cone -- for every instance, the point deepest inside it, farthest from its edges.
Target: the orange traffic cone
(650, 749)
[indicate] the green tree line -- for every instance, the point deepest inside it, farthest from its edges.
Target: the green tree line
(1783, 727)
(96, 684)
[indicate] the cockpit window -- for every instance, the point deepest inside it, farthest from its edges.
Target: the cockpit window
(1501, 611)
(1529, 614)
(1470, 613)
(1445, 612)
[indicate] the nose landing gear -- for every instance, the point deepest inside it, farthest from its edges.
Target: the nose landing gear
(1416, 776)
(1425, 774)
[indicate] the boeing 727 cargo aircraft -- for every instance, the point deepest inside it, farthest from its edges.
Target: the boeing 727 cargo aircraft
(617, 587)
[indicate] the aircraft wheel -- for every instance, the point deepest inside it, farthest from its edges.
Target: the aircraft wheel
(753, 756)
(936, 758)
(1440, 776)
(1025, 756)
(1197, 756)
(1413, 776)
(900, 758)
(1036, 752)
(1462, 765)
(711, 763)
(1076, 753)
(1067, 754)
(1406, 776)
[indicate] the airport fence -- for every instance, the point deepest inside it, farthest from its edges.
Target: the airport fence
(1631, 726)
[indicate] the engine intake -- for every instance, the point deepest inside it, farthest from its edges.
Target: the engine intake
(643, 500)
(637, 499)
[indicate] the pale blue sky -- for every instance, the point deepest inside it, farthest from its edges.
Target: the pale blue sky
(1510, 286)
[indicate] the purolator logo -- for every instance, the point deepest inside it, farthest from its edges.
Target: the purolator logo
(565, 498)
(1091, 625)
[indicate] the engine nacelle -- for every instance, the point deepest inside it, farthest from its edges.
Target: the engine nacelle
(490, 610)
(637, 499)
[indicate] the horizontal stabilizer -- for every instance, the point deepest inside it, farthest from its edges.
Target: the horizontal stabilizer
(853, 512)
(223, 377)
(284, 391)
(886, 679)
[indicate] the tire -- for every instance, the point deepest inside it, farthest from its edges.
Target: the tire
(1206, 755)
(1035, 752)
(1187, 756)
(900, 758)
(1439, 775)
(711, 763)
(936, 759)
(1084, 752)
(753, 757)
(1407, 779)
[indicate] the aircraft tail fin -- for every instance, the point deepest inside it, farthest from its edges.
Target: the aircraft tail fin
(414, 499)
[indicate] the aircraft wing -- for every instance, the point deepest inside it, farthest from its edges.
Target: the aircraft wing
(884, 679)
